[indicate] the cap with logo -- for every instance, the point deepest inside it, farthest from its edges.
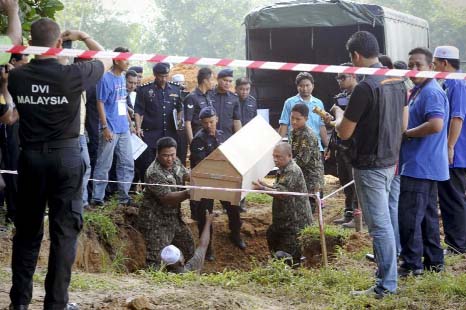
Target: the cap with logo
(161, 68)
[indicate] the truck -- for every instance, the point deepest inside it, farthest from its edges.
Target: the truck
(316, 32)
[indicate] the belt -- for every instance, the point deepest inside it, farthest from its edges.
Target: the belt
(56, 144)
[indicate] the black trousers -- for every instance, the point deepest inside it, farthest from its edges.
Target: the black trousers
(199, 209)
(48, 177)
(143, 162)
(10, 155)
(419, 224)
(452, 200)
(345, 175)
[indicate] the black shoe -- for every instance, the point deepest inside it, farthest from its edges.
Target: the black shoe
(236, 240)
(435, 268)
(370, 257)
(451, 251)
(96, 204)
(242, 206)
(373, 291)
(405, 272)
(18, 307)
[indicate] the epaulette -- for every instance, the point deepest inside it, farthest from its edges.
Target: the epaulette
(148, 83)
(175, 84)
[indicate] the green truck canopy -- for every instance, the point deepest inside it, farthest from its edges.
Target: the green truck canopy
(320, 13)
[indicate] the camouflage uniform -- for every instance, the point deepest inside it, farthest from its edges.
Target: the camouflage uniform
(289, 214)
(306, 152)
(162, 225)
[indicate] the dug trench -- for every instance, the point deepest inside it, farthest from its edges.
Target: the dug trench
(110, 240)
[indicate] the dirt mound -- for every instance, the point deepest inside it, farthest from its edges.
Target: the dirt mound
(189, 72)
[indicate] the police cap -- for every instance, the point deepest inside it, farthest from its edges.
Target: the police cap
(137, 69)
(224, 73)
(207, 112)
(161, 68)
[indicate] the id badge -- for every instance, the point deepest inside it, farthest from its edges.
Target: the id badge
(122, 107)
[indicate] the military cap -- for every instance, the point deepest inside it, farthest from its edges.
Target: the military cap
(137, 69)
(224, 73)
(207, 112)
(161, 68)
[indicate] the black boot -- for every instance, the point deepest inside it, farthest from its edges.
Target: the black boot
(235, 238)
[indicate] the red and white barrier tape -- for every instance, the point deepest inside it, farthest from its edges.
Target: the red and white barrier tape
(213, 188)
(250, 64)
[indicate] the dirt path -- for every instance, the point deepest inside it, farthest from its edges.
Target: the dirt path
(117, 291)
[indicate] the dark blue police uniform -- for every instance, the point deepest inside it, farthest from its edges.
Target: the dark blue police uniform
(248, 109)
(156, 105)
(228, 110)
(193, 105)
(50, 173)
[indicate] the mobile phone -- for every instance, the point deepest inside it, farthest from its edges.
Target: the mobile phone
(67, 44)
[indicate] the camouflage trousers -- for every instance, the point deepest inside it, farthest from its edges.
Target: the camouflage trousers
(169, 230)
(284, 239)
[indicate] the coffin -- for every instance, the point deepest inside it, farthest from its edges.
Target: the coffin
(244, 157)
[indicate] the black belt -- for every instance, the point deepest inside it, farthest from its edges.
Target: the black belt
(56, 144)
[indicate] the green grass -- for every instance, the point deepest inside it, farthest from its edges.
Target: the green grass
(88, 282)
(102, 224)
(312, 233)
(259, 198)
(329, 288)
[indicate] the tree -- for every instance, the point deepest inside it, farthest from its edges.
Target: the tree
(31, 10)
(102, 24)
(202, 27)
(447, 23)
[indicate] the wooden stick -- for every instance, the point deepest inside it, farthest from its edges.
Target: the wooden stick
(323, 244)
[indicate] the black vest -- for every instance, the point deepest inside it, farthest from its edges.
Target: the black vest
(379, 147)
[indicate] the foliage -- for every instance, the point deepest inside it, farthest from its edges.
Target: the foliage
(329, 287)
(31, 10)
(312, 233)
(446, 21)
(259, 198)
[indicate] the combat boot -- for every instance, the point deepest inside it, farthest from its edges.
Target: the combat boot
(235, 238)
(347, 217)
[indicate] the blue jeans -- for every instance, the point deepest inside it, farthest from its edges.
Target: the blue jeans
(372, 189)
(393, 207)
(87, 163)
(121, 147)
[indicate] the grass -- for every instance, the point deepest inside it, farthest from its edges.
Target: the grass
(259, 198)
(329, 288)
(89, 282)
(312, 233)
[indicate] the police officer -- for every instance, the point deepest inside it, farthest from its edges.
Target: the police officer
(226, 103)
(205, 142)
(154, 113)
(247, 102)
(196, 100)
(347, 83)
(48, 97)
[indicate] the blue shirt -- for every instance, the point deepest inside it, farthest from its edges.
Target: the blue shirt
(111, 90)
(314, 121)
(427, 157)
(456, 93)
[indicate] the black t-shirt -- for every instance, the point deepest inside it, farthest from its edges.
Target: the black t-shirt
(360, 103)
(47, 95)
